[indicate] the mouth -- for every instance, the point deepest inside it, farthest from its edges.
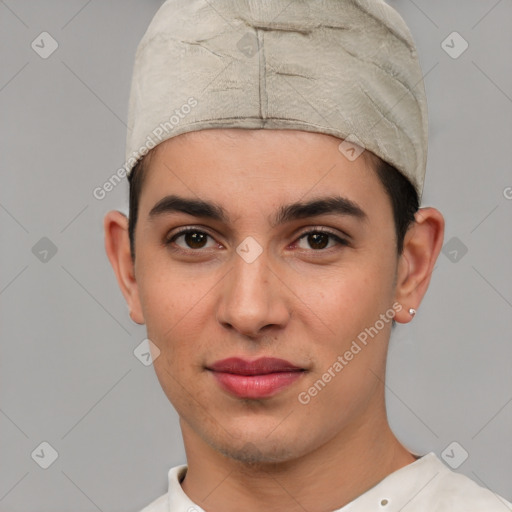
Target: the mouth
(262, 378)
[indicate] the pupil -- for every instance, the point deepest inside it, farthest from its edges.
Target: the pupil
(318, 240)
(195, 240)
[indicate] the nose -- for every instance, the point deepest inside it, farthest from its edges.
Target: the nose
(253, 300)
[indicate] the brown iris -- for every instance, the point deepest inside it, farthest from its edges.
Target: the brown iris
(318, 240)
(195, 240)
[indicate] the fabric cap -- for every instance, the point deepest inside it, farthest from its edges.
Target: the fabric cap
(347, 68)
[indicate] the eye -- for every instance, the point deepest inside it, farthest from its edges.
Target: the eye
(191, 238)
(319, 240)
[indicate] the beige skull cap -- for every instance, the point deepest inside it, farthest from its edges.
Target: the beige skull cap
(347, 68)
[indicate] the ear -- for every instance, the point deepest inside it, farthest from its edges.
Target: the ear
(117, 247)
(422, 245)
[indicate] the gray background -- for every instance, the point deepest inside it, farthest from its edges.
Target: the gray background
(68, 374)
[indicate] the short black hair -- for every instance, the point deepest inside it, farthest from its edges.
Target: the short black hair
(403, 196)
(136, 180)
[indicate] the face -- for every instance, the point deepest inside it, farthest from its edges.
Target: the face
(267, 284)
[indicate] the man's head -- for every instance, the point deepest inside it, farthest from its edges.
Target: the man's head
(274, 231)
(291, 254)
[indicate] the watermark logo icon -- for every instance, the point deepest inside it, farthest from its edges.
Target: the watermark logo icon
(44, 250)
(454, 249)
(44, 455)
(44, 45)
(454, 45)
(248, 45)
(249, 250)
(454, 455)
(146, 352)
(352, 148)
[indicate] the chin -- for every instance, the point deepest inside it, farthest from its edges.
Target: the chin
(258, 444)
(258, 452)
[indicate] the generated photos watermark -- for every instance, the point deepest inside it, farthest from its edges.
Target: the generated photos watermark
(304, 397)
(157, 135)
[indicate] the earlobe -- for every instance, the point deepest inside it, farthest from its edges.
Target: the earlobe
(422, 245)
(117, 247)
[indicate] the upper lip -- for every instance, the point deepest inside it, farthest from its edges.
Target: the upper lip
(262, 366)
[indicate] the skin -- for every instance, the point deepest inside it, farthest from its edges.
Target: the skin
(296, 302)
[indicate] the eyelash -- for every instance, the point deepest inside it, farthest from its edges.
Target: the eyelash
(168, 241)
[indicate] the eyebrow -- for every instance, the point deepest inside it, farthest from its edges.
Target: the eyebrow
(331, 205)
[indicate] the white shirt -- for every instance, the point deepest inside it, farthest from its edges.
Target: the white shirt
(426, 485)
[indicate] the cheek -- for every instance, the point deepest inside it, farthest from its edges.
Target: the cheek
(173, 307)
(351, 302)
(350, 305)
(351, 298)
(176, 322)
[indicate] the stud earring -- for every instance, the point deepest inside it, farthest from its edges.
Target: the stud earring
(412, 311)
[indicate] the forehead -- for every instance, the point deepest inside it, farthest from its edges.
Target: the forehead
(243, 169)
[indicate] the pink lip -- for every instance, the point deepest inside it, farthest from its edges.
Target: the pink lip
(261, 378)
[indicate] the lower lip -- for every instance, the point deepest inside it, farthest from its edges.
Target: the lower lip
(256, 386)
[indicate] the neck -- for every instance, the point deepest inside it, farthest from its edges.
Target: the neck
(324, 480)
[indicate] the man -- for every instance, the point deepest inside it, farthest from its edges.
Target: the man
(277, 154)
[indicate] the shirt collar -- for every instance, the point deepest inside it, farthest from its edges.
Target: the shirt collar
(399, 488)
(391, 494)
(178, 500)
